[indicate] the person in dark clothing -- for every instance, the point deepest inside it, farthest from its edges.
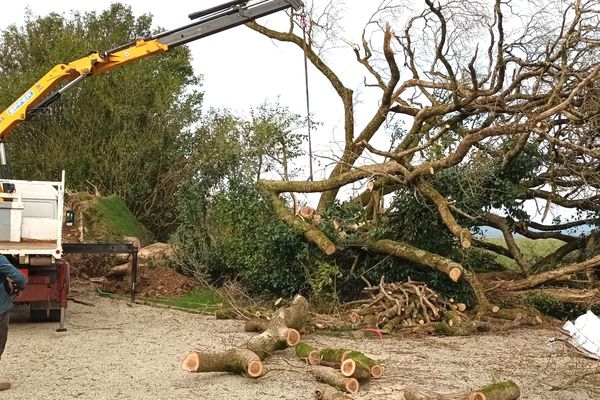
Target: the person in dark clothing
(8, 273)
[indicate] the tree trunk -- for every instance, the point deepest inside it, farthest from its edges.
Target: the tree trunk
(506, 390)
(234, 360)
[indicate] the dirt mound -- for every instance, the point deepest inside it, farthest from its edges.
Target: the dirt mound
(163, 282)
(158, 281)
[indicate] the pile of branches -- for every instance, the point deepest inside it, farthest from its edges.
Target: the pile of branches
(393, 306)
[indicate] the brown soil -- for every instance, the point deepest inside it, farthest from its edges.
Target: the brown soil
(153, 282)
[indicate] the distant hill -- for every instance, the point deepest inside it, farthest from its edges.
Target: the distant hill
(495, 233)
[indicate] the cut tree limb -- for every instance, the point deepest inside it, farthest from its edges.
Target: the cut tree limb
(356, 364)
(277, 337)
(247, 358)
(538, 279)
(234, 360)
(310, 232)
(333, 378)
(506, 390)
(307, 352)
(326, 392)
(404, 250)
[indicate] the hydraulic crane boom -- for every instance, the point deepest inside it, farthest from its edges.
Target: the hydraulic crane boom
(207, 22)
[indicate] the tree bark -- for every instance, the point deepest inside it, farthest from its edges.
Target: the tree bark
(234, 360)
(357, 365)
(538, 279)
(333, 378)
(506, 390)
(326, 392)
(310, 232)
(403, 250)
(565, 295)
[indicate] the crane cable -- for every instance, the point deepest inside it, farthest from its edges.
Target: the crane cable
(304, 24)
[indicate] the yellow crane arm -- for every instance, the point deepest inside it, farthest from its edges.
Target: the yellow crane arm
(92, 64)
(206, 22)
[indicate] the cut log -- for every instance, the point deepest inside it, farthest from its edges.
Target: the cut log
(273, 339)
(234, 361)
(506, 390)
(335, 356)
(354, 361)
(333, 378)
(355, 369)
(248, 357)
(307, 352)
(326, 392)
(280, 333)
(296, 314)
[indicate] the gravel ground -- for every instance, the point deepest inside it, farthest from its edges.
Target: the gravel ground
(115, 350)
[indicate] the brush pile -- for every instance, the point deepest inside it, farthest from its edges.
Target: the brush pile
(392, 306)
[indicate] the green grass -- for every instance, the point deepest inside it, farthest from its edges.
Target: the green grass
(117, 220)
(531, 249)
(203, 300)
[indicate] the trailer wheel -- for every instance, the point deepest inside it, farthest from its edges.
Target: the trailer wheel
(39, 315)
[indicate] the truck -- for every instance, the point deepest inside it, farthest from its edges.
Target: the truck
(32, 212)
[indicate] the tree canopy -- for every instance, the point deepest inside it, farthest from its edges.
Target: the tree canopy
(118, 133)
(499, 104)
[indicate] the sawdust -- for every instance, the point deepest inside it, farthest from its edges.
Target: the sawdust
(118, 350)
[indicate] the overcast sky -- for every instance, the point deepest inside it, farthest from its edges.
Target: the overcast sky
(243, 69)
